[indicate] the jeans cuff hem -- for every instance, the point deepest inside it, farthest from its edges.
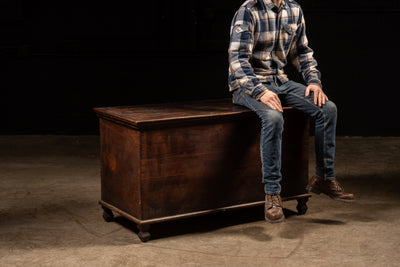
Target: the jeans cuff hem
(324, 177)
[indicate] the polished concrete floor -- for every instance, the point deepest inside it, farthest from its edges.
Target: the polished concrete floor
(49, 215)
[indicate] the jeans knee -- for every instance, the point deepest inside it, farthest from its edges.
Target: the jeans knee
(273, 119)
(330, 109)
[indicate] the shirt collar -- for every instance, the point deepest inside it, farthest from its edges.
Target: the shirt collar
(269, 4)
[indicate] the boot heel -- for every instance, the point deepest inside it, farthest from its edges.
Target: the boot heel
(311, 189)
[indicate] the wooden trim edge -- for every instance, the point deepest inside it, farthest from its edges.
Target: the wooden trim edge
(193, 214)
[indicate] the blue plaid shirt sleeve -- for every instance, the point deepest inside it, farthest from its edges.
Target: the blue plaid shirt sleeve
(241, 73)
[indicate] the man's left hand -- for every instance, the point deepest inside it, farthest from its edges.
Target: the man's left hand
(319, 96)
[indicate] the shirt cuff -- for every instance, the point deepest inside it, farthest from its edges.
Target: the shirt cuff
(260, 91)
(258, 97)
(317, 82)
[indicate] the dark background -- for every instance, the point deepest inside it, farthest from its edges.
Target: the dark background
(59, 59)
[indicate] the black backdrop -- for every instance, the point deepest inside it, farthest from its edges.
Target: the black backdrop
(62, 58)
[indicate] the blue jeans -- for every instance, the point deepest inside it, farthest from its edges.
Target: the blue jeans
(272, 126)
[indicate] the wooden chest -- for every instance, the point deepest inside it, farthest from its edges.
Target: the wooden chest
(175, 160)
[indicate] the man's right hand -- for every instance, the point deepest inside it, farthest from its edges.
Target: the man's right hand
(272, 100)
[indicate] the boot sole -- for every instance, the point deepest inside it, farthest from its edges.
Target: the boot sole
(275, 221)
(316, 191)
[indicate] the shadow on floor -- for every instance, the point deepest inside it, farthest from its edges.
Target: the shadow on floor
(373, 193)
(77, 223)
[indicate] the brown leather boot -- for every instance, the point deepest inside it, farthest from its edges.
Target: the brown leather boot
(330, 188)
(273, 209)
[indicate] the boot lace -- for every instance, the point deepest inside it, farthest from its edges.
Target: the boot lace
(274, 201)
(335, 186)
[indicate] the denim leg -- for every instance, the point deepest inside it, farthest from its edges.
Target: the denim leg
(325, 126)
(270, 141)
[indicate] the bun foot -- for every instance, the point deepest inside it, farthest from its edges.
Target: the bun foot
(144, 233)
(302, 206)
(108, 215)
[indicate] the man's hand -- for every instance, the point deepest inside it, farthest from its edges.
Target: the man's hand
(272, 100)
(319, 96)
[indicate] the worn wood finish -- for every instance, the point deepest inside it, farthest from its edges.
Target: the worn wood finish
(120, 167)
(169, 161)
(208, 161)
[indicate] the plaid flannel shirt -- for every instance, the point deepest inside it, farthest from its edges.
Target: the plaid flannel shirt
(263, 40)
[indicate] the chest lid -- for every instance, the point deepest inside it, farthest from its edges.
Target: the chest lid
(171, 114)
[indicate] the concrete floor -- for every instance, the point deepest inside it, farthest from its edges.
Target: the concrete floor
(49, 215)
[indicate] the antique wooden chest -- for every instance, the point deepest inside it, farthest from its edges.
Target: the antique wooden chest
(175, 160)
